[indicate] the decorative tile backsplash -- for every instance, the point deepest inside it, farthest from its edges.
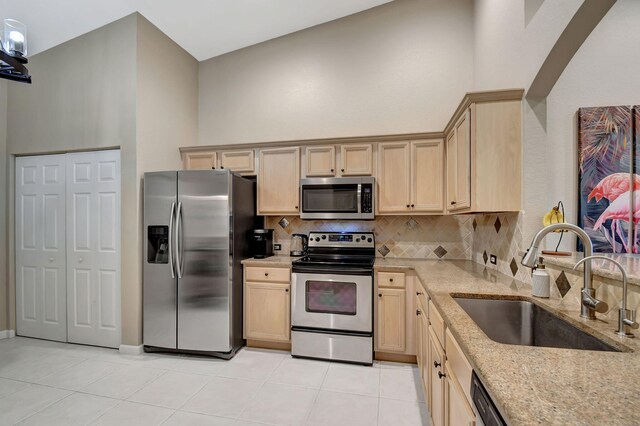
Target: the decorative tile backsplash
(417, 237)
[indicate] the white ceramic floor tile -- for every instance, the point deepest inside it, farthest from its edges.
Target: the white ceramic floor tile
(335, 408)
(79, 376)
(32, 370)
(124, 382)
(183, 418)
(402, 413)
(280, 405)
(76, 409)
(223, 397)
(402, 384)
(352, 379)
(170, 390)
(7, 387)
(27, 402)
(300, 372)
(252, 365)
(199, 365)
(132, 413)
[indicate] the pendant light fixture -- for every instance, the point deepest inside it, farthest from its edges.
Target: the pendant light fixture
(13, 52)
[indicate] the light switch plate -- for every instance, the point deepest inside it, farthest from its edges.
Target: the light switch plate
(493, 259)
(277, 247)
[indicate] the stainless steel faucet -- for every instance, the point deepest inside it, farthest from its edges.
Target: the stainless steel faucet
(590, 305)
(626, 317)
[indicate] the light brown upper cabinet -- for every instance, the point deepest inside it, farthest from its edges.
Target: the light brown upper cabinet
(356, 160)
(458, 164)
(410, 177)
(484, 153)
(201, 160)
(243, 162)
(320, 160)
(279, 181)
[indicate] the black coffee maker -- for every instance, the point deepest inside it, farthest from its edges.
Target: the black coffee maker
(262, 243)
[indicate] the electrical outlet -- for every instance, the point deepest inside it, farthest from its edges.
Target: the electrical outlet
(277, 247)
(493, 259)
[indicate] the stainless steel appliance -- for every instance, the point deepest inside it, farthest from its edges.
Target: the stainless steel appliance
(487, 413)
(197, 225)
(332, 298)
(262, 243)
(299, 244)
(337, 198)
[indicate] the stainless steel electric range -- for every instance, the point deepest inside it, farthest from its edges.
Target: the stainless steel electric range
(332, 298)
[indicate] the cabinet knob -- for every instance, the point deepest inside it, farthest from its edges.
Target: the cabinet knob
(418, 312)
(412, 205)
(342, 170)
(331, 170)
(436, 364)
(286, 290)
(221, 167)
(407, 205)
(379, 294)
(266, 274)
(390, 280)
(296, 207)
(441, 374)
(418, 293)
(453, 203)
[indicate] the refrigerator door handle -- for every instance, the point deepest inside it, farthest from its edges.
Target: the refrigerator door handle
(171, 259)
(177, 243)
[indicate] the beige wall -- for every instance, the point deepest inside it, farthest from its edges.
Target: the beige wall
(166, 118)
(83, 97)
(397, 68)
(4, 278)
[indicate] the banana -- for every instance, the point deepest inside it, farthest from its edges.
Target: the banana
(553, 216)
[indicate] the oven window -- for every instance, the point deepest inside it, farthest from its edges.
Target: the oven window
(331, 297)
(330, 198)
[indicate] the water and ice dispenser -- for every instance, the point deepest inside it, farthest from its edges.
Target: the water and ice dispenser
(158, 244)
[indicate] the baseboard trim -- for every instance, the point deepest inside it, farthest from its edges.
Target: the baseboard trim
(386, 356)
(263, 344)
(7, 334)
(131, 350)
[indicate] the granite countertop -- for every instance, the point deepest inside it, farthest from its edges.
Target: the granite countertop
(534, 385)
(631, 263)
(273, 261)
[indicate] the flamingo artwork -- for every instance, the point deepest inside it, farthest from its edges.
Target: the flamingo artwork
(616, 186)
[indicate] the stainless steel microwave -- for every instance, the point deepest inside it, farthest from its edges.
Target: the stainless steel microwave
(337, 198)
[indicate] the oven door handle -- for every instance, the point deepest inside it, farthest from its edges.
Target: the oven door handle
(333, 271)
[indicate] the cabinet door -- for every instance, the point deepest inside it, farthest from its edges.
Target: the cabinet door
(267, 312)
(427, 175)
(391, 320)
(437, 389)
(205, 160)
(458, 410)
(356, 160)
(463, 160)
(279, 181)
(394, 176)
(243, 162)
(426, 360)
(321, 161)
(418, 338)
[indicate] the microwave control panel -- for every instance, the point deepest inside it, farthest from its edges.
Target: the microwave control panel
(367, 198)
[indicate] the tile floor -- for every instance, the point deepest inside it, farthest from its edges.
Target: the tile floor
(44, 383)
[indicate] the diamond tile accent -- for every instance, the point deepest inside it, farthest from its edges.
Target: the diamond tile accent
(384, 250)
(485, 257)
(513, 266)
(497, 224)
(411, 223)
(474, 224)
(563, 284)
(440, 251)
(283, 222)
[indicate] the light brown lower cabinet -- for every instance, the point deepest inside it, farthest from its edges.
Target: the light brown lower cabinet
(458, 410)
(267, 313)
(391, 319)
(438, 382)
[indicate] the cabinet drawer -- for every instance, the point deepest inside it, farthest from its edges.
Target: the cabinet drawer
(276, 275)
(437, 323)
(459, 365)
(391, 279)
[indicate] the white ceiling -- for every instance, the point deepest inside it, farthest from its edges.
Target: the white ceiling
(205, 28)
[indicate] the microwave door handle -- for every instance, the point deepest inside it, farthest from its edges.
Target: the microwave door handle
(359, 198)
(171, 257)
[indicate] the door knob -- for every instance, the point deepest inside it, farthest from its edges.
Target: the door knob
(51, 259)
(80, 260)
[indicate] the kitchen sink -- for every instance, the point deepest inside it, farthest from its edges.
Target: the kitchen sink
(520, 322)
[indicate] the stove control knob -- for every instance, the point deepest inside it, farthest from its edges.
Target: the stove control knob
(324, 237)
(317, 239)
(358, 240)
(369, 239)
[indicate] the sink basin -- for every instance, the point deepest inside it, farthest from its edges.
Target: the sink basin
(519, 322)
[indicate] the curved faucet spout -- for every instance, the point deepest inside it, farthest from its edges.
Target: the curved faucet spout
(589, 304)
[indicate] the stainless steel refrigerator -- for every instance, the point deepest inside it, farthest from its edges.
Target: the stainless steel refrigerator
(197, 225)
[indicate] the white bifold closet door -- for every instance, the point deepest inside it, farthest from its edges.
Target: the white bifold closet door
(71, 228)
(41, 286)
(93, 248)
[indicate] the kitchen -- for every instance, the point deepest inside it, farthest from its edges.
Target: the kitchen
(437, 102)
